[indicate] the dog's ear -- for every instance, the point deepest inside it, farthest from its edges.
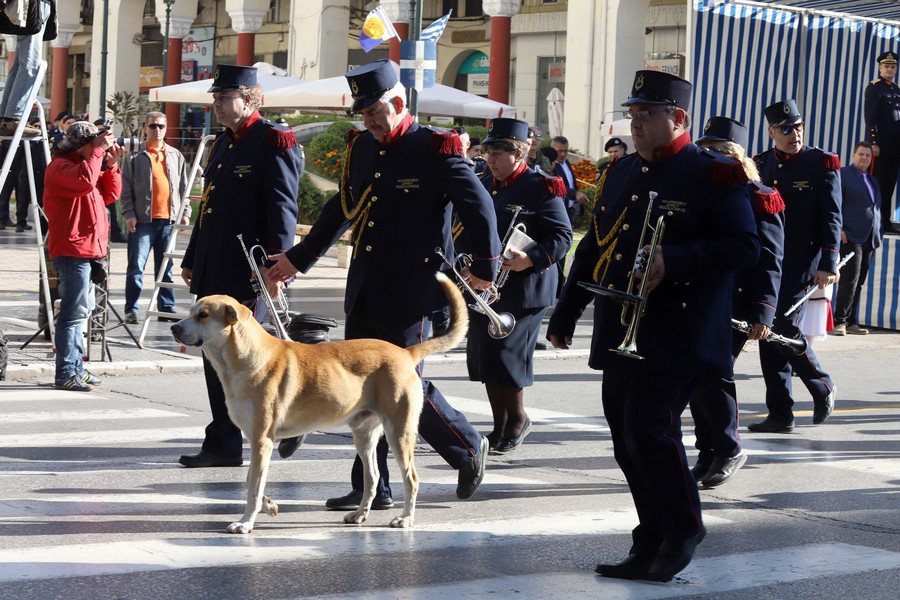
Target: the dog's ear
(231, 314)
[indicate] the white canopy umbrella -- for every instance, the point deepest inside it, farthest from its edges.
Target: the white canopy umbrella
(268, 76)
(333, 93)
(555, 102)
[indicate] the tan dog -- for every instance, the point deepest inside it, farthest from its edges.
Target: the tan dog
(277, 389)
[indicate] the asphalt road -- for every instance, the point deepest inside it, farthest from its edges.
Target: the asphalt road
(94, 505)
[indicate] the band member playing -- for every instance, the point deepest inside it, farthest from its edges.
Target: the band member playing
(531, 200)
(682, 327)
(755, 293)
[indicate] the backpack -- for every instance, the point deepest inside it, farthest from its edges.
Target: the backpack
(31, 9)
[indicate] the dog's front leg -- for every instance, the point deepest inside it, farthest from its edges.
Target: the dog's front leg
(260, 453)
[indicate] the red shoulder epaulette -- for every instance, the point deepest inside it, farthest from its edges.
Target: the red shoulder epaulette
(727, 173)
(446, 143)
(832, 161)
(556, 186)
(352, 134)
(768, 203)
(280, 138)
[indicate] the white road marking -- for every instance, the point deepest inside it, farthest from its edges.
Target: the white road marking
(110, 414)
(562, 420)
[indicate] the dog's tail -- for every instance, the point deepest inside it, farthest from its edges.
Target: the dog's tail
(459, 323)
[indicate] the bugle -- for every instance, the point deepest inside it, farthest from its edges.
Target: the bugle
(798, 347)
(501, 324)
(634, 302)
(259, 286)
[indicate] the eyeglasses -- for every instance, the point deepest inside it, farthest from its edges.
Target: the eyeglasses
(644, 115)
(787, 129)
(156, 125)
(717, 150)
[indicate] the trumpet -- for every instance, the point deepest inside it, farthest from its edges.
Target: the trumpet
(259, 286)
(797, 346)
(492, 294)
(501, 324)
(635, 301)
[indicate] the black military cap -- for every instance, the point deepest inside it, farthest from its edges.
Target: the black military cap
(783, 113)
(232, 77)
(656, 87)
(888, 57)
(502, 128)
(723, 129)
(615, 142)
(474, 141)
(369, 82)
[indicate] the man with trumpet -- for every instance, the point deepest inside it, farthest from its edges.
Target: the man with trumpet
(683, 307)
(530, 208)
(396, 192)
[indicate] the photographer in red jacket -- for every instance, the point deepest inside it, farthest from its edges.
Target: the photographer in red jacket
(76, 192)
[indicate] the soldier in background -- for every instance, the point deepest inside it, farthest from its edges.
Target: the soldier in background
(881, 108)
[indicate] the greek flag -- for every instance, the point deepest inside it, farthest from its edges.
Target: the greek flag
(418, 64)
(433, 32)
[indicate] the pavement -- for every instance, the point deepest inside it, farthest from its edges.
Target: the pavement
(320, 292)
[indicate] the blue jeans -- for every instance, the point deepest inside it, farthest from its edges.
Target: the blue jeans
(154, 235)
(24, 70)
(76, 294)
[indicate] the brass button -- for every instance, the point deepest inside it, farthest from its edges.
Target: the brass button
(644, 169)
(371, 223)
(493, 192)
(374, 198)
(602, 209)
(212, 187)
(740, 289)
(611, 286)
(618, 257)
(684, 305)
(670, 213)
(780, 165)
(208, 210)
(426, 259)
(377, 175)
(231, 145)
(634, 198)
(381, 153)
(687, 283)
(219, 166)
(626, 227)
(775, 182)
(405, 190)
(368, 248)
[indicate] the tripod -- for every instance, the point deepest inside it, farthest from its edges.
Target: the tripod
(98, 322)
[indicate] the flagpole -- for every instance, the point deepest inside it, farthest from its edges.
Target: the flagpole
(415, 32)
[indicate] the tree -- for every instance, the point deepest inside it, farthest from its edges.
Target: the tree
(125, 112)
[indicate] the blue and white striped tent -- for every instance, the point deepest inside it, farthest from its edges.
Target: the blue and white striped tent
(747, 55)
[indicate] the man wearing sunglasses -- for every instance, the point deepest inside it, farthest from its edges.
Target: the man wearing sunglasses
(810, 184)
(154, 183)
(685, 330)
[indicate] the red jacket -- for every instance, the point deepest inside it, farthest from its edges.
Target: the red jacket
(76, 193)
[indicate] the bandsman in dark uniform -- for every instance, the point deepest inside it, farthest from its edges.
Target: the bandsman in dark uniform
(881, 111)
(252, 177)
(532, 199)
(685, 332)
(809, 181)
(615, 149)
(754, 296)
(399, 185)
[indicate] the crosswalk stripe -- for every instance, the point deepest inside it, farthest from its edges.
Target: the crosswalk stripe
(704, 576)
(562, 420)
(75, 560)
(111, 414)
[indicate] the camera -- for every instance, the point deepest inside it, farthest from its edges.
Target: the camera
(132, 145)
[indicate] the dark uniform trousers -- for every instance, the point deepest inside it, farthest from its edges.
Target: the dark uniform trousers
(887, 165)
(715, 411)
(443, 427)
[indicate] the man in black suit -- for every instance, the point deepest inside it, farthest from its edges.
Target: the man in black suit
(861, 233)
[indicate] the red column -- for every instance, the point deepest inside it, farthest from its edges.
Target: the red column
(403, 31)
(498, 80)
(59, 82)
(10, 59)
(173, 76)
(246, 49)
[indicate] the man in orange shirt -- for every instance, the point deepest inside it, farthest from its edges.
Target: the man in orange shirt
(154, 182)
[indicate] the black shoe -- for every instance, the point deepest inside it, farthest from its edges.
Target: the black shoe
(822, 412)
(673, 557)
(493, 439)
(722, 469)
(703, 463)
(208, 459)
(770, 425)
(131, 318)
(509, 444)
(23, 227)
(635, 566)
(172, 319)
(8, 223)
(471, 473)
(351, 501)
(288, 446)
(540, 346)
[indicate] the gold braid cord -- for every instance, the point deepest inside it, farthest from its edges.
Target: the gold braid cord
(612, 239)
(204, 198)
(359, 213)
(457, 230)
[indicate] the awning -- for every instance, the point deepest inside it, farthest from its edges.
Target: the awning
(883, 10)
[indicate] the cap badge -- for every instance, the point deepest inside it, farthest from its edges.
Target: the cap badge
(354, 87)
(216, 76)
(708, 125)
(786, 108)
(639, 82)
